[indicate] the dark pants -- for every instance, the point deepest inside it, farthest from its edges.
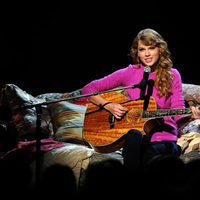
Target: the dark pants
(138, 151)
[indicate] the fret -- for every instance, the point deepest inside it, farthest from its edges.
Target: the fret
(165, 112)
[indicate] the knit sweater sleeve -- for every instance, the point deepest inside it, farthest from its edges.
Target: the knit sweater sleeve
(113, 80)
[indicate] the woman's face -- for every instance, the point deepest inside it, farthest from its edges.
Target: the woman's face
(148, 55)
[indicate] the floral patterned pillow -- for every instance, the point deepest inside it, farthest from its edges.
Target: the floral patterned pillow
(191, 93)
(24, 119)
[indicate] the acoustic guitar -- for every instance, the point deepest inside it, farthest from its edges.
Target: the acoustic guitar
(106, 134)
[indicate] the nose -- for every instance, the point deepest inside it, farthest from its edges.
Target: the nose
(147, 53)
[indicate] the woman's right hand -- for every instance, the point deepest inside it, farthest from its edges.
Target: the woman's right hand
(116, 109)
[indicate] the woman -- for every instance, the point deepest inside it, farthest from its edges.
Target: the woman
(148, 49)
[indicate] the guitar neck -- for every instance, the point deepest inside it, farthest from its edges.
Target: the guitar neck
(166, 112)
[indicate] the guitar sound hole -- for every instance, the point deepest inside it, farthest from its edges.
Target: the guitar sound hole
(133, 116)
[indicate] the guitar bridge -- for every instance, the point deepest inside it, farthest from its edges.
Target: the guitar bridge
(111, 120)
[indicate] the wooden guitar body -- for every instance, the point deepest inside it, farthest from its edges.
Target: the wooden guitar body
(98, 130)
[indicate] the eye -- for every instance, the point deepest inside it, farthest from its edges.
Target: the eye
(152, 47)
(141, 49)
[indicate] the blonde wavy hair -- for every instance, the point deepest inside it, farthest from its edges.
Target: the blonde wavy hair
(163, 67)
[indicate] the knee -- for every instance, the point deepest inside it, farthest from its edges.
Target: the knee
(133, 135)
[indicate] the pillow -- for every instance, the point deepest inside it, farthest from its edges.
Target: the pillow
(75, 97)
(67, 120)
(49, 96)
(190, 132)
(191, 93)
(193, 126)
(24, 120)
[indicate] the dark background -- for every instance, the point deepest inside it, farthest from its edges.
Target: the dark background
(60, 46)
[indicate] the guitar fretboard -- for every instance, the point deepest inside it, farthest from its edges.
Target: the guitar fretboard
(166, 112)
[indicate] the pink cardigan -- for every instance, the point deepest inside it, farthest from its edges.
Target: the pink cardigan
(132, 75)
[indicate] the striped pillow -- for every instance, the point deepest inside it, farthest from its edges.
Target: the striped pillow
(67, 120)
